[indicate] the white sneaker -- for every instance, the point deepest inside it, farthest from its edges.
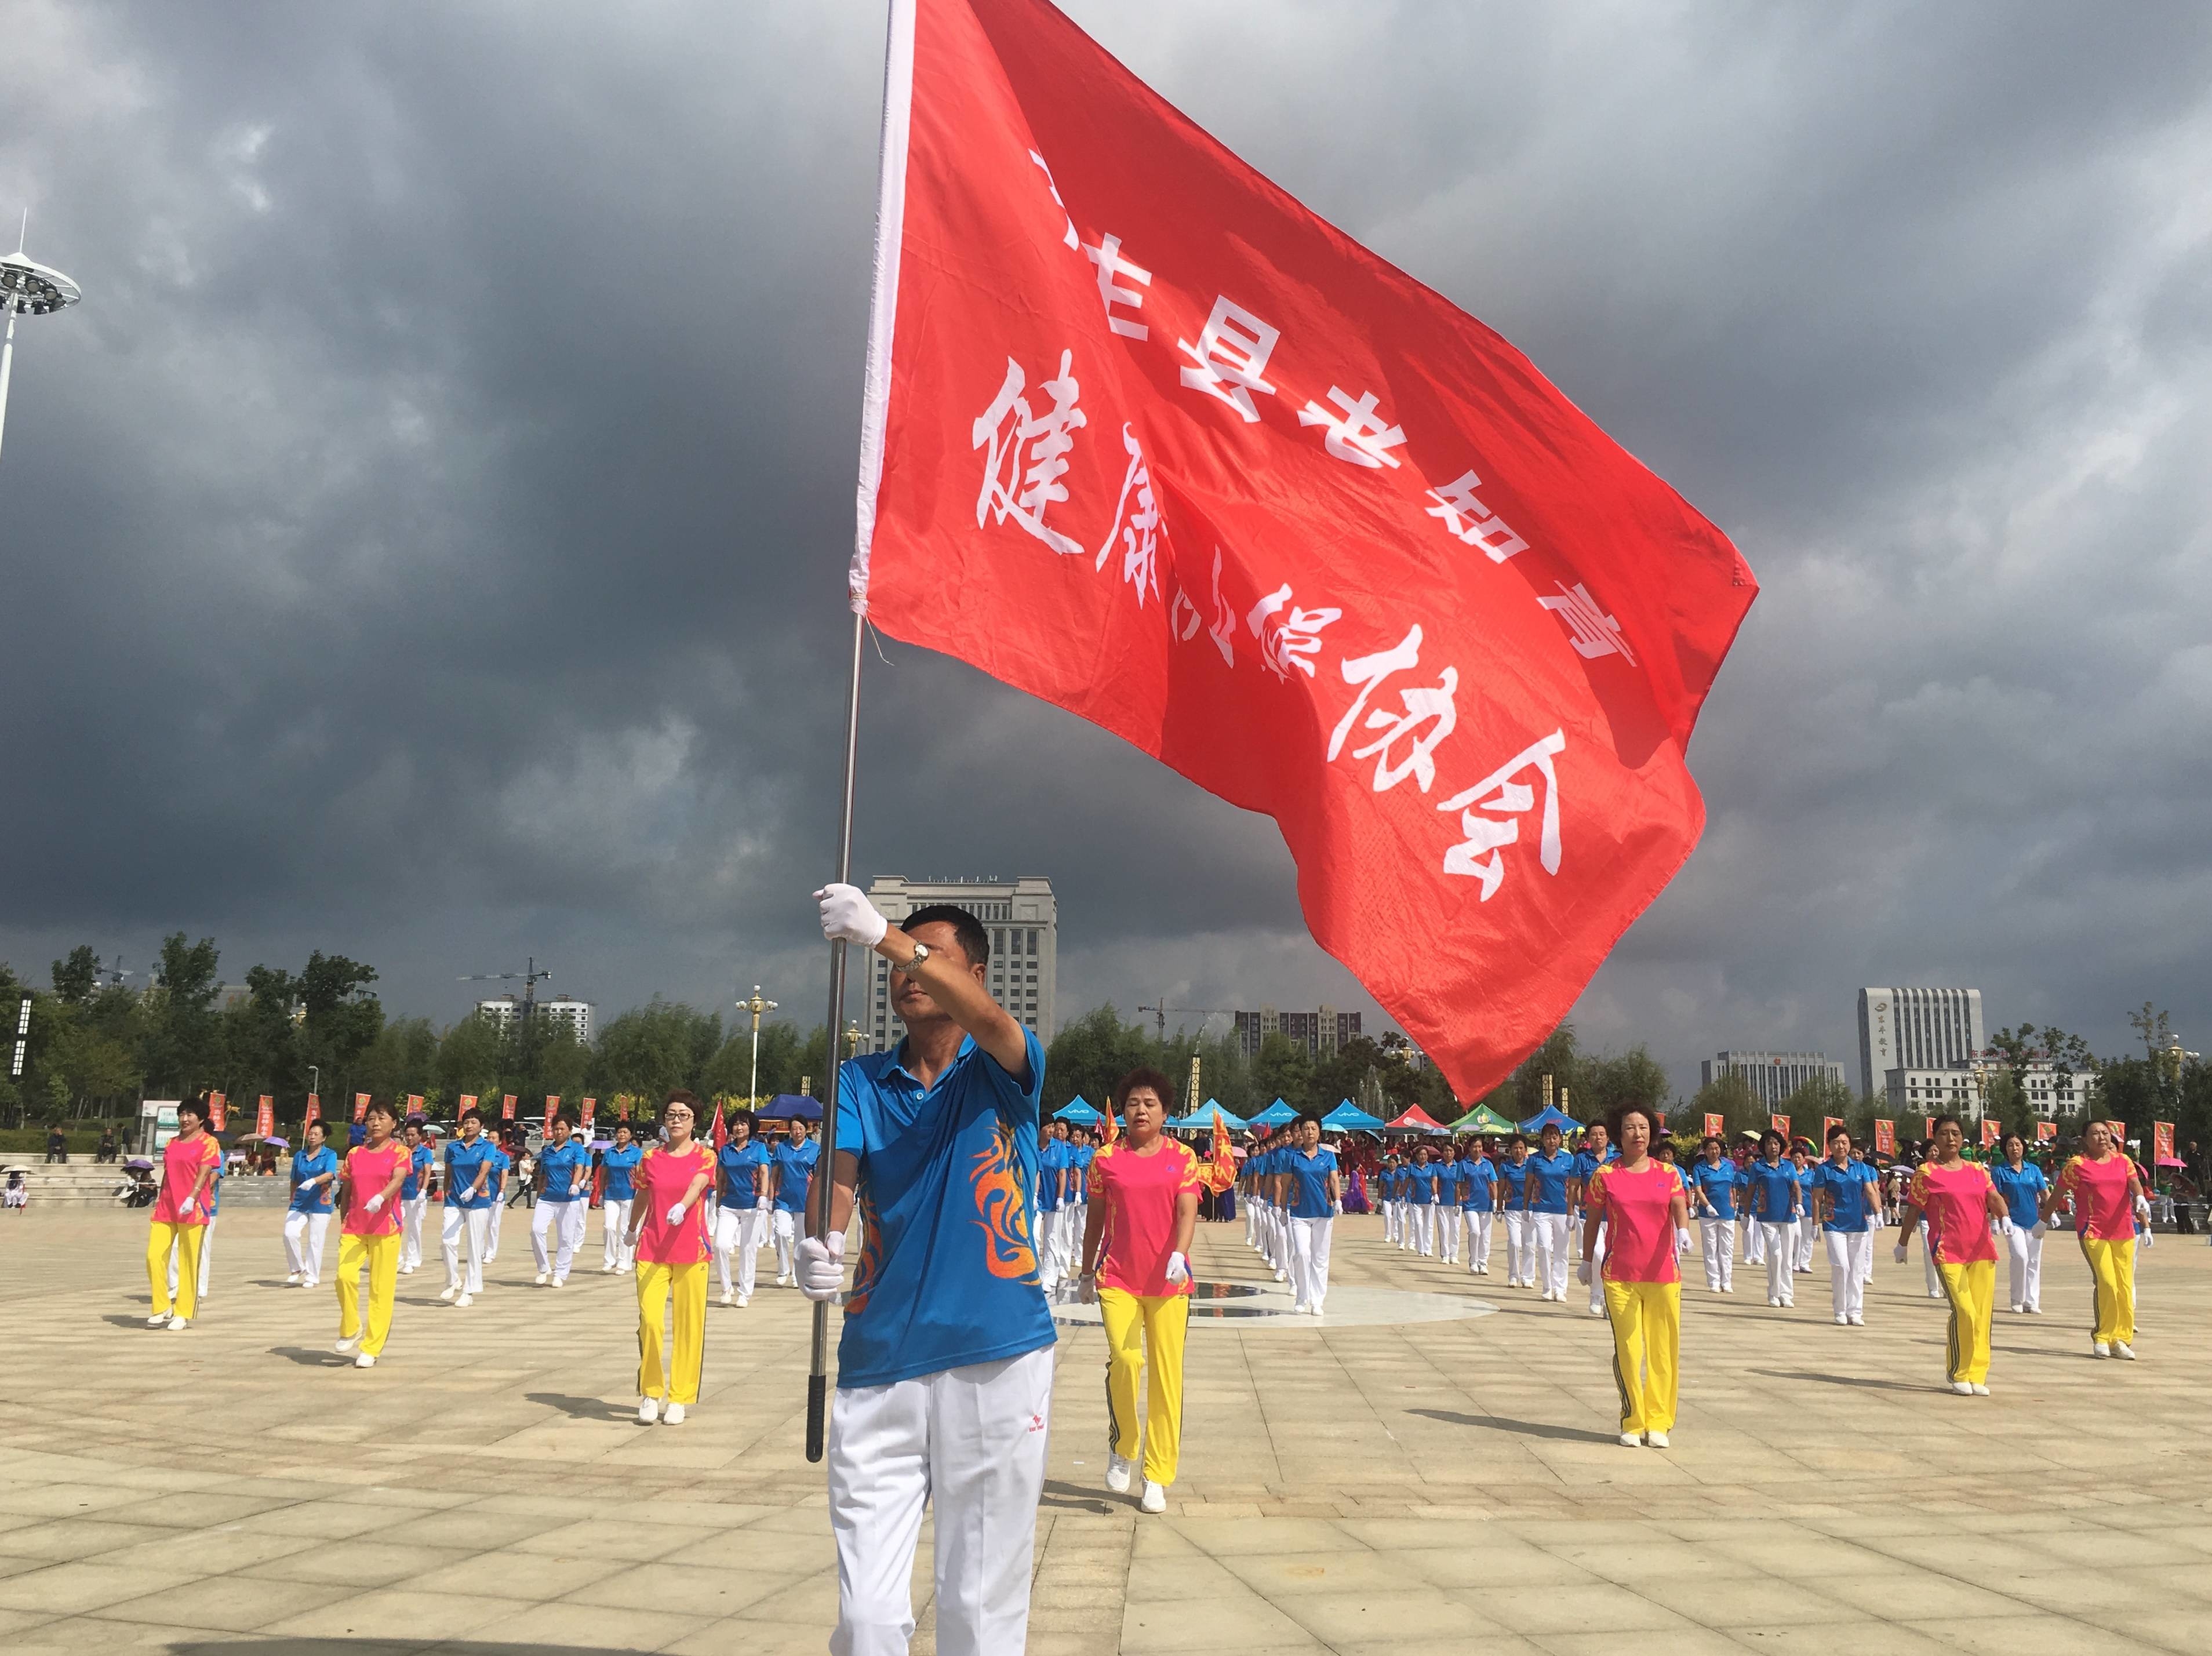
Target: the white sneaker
(1300, 1309)
(1655, 1441)
(1962, 1388)
(1155, 1498)
(364, 1361)
(177, 1325)
(1282, 1275)
(159, 1319)
(560, 1282)
(312, 1282)
(728, 1298)
(648, 1411)
(543, 1278)
(1858, 1322)
(1980, 1390)
(606, 1269)
(465, 1299)
(1117, 1473)
(1631, 1440)
(292, 1281)
(2098, 1348)
(1597, 1311)
(2020, 1311)
(448, 1294)
(744, 1300)
(672, 1415)
(2121, 1349)
(1843, 1322)
(347, 1347)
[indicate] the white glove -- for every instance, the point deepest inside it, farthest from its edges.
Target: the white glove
(762, 1204)
(1581, 1273)
(1086, 1291)
(1178, 1268)
(376, 1203)
(2004, 1227)
(1901, 1253)
(2143, 1209)
(848, 917)
(822, 1264)
(676, 1213)
(186, 1206)
(2040, 1227)
(1681, 1241)
(1336, 1207)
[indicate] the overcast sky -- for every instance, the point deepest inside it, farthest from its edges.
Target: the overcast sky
(427, 540)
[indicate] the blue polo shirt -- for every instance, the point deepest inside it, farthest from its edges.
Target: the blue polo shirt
(1773, 1190)
(1051, 1163)
(418, 1163)
(1309, 1183)
(2022, 1191)
(561, 1164)
(1514, 1176)
(1421, 1184)
(1586, 1164)
(501, 1165)
(741, 1174)
(794, 1165)
(1475, 1179)
(306, 1165)
(1080, 1156)
(464, 1161)
(948, 1277)
(1550, 1173)
(1718, 1185)
(1846, 1188)
(621, 1168)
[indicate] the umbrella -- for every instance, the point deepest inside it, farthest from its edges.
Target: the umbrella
(275, 1142)
(1080, 1111)
(785, 1106)
(1348, 1116)
(1276, 1114)
(1483, 1120)
(600, 1144)
(1550, 1116)
(139, 1164)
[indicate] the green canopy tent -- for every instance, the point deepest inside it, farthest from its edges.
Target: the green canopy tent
(1484, 1119)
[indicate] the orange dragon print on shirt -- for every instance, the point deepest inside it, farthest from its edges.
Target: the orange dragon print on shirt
(1002, 1209)
(871, 1256)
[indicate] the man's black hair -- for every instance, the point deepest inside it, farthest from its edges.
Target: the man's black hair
(967, 930)
(474, 1114)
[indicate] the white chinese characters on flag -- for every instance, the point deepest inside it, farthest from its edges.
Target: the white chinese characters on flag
(1146, 439)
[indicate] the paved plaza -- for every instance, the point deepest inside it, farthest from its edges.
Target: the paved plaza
(1434, 1471)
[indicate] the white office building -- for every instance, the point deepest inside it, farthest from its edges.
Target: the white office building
(1772, 1076)
(1962, 1090)
(1917, 1029)
(564, 1012)
(1023, 920)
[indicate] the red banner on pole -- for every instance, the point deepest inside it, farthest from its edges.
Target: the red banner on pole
(590, 1106)
(314, 1110)
(1930, 1120)
(1885, 1137)
(552, 1109)
(264, 1116)
(1716, 1126)
(468, 1102)
(361, 1107)
(1828, 1125)
(507, 1108)
(218, 1111)
(622, 1107)
(2045, 1131)
(2162, 1145)
(1990, 1132)
(1145, 437)
(1781, 1124)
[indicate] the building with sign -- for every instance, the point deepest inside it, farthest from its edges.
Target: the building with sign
(1917, 1029)
(1772, 1076)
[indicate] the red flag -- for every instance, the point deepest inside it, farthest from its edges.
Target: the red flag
(314, 1110)
(2162, 1145)
(1781, 1124)
(507, 1108)
(264, 1116)
(1146, 439)
(414, 1104)
(1989, 1132)
(590, 1104)
(2045, 1131)
(1716, 1126)
(552, 1109)
(468, 1101)
(622, 1107)
(1110, 1129)
(1931, 1125)
(721, 1136)
(1223, 1173)
(1885, 1137)
(1828, 1125)
(361, 1107)
(218, 1111)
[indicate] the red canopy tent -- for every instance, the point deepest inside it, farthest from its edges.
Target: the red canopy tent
(1416, 1119)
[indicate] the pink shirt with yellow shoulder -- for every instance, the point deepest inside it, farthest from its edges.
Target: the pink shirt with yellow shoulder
(1638, 1212)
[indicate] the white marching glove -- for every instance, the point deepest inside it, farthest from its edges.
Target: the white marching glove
(1086, 1290)
(1901, 1253)
(186, 1206)
(822, 1266)
(376, 1203)
(1581, 1273)
(1682, 1241)
(2143, 1209)
(2040, 1228)
(848, 916)
(2004, 1227)
(762, 1204)
(1178, 1268)
(676, 1213)
(1337, 1209)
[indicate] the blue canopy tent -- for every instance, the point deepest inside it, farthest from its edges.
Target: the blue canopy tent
(1348, 1116)
(1079, 1111)
(1551, 1116)
(1277, 1115)
(785, 1105)
(1208, 1114)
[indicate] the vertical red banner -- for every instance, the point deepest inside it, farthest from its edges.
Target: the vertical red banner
(2045, 1131)
(314, 1110)
(622, 1107)
(1930, 1120)
(468, 1102)
(264, 1116)
(591, 1107)
(507, 1108)
(1828, 1125)
(1989, 1132)
(2161, 1143)
(1780, 1124)
(414, 1104)
(218, 1111)
(552, 1109)
(1885, 1137)
(1716, 1126)
(361, 1107)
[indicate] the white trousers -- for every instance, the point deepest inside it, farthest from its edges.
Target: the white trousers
(1309, 1240)
(1777, 1242)
(1597, 1273)
(1449, 1223)
(1754, 1241)
(1719, 1238)
(1849, 1253)
(2024, 1246)
(491, 1243)
(565, 1221)
(1808, 1227)
(412, 1209)
(1425, 1227)
(1479, 1222)
(1928, 1265)
(785, 1225)
(616, 1221)
(737, 1243)
(1048, 1247)
(303, 1243)
(1067, 1237)
(1550, 1236)
(1393, 1219)
(971, 1441)
(207, 1253)
(1520, 1255)
(462, 1235)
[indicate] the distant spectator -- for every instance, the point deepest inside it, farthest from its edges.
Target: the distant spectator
(15, 1196)
(107, 1151)
(57, 1144)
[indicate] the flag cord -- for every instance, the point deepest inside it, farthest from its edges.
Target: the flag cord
(825, 1166)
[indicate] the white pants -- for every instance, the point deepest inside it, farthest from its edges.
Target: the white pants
(1448, 1222)
(1848, 1251)
(1754, 1241)
(207, 1252)
(1393, 1220)
(1479, 1221)
(1597, 1273)
(786, 1244)
(2024, 1246)
(1048, 1247)
(462, 1236)
(1777, 1242)
(736, 1241)
(1928, 1263)
(1548, 1232)
(565, 1219)
(1309, 1240)
(971, 1441)
(1520, 1256)
(1425, 1227)
(412, 1209)
(303, 1244)
(1067, 1238)
(1719, 1238)
(1808, 1227)
(491, 1243)
(614, 1220)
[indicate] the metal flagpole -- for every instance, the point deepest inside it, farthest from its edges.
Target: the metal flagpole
(825, 1167)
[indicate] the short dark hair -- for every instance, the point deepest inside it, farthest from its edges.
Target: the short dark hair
(474, 1114)
(198, 1107)
(1612, 1125)
(1522, 1139)
(1841, 1131)
(1780, 1142)
(381, 1106)
(967, 930)
(681, 1096)
(751, 1121)
(1305, 1116)
(1144, 1075)
(1940, 1119)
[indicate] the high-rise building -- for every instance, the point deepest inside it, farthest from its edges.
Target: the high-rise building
(1963, 1088)
(501, 1010)
(1023, 918)
(1916, 1029)
(1321, 1031)
(567, 1010)
(1772, 1076)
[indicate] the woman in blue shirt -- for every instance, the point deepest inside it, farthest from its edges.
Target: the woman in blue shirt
(1478, 1201)
(741, 1218)
(1776, 1202)
(314, 1171)
(1848, 1197)
(1512, 1190)
(2023, 1186)
(1714, 1181)
(618, 1161)
(1544, 1194)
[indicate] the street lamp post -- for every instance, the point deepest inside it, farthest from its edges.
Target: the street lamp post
(755, 1006)
(27, 289)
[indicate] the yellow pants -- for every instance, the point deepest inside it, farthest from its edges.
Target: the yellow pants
(2112, 1268)
(1647, 1349)
(186, 1240)
(381, 1255)
(656, 1285)
(1971, 1287)
(1145, 1331)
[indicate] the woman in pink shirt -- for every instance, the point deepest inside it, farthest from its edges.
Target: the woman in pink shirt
(1959, 1199)
(1638, 1202)
(189, 1163)
(368, 1239)
(669, 1235)
(2106, 1194)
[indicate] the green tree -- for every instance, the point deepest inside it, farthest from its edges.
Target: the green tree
(1809, 1106)
(1730, 1097)
(402, 1059)
(1284, 1069)
(184, 1047)
(654, 1049)
(1631, 1078)
(75, 977)
(473, 1058)
(1089, 1055)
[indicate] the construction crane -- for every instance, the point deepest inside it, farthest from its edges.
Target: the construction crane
(1160, 1014)
(530, 977)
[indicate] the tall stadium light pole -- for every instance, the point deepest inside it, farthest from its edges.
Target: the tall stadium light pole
(755, 1006)
(27, 289)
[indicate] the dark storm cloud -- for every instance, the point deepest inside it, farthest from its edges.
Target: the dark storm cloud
(426, 540)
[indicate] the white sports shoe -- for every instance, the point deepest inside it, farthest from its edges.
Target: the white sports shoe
(2098, 1348)
(744, 1300)
(292, 1281)
(648, 1410)
(672, 1415)
(605, 1269)
(1843, 1322)
(364, 1361)
(1858, 1322)
(1117, 1473)
(465, 1299)
(560, 1282)
(729, 1298)
(1655, 1440)
(448, 1294)
(543, 1278)
(2121, 1349)
(1155, 1498)
(1300, 1309)
(1963, 1388)
(1980, 1390)
(1631, 1440)
(159, 1319)
(179, 1324)
(346, 1347)
(1597, 1311)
